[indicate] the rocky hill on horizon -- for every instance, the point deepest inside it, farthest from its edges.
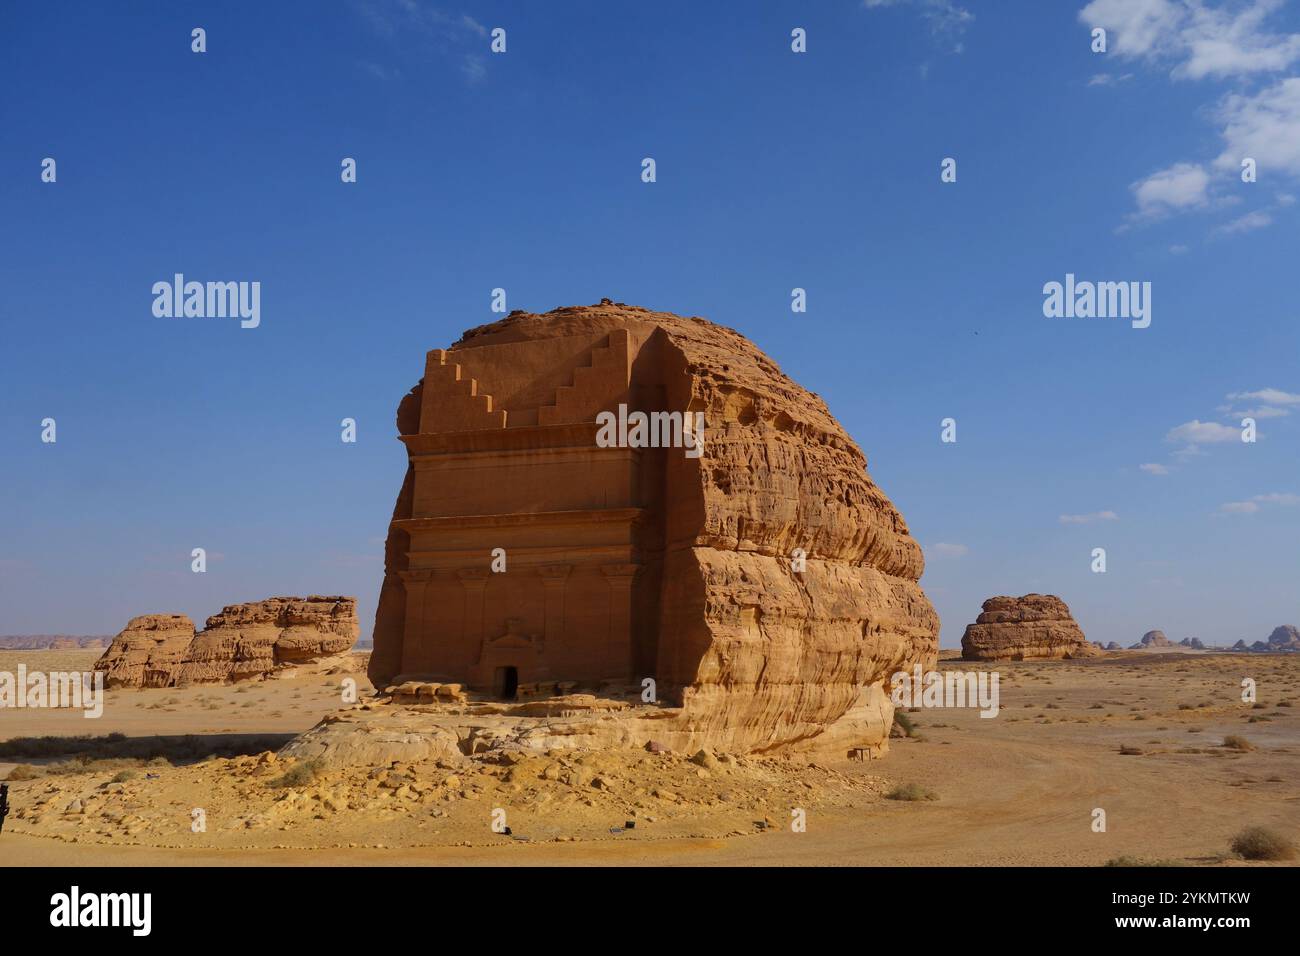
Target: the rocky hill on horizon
(54, 642)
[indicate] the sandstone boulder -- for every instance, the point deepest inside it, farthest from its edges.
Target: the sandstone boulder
(1031, 627)
(250, 640)
(763, 583)
(1152, 639)
(147, 652)
(1284, 638)
(244, 641)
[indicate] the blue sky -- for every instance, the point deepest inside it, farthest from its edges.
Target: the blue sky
(775, 170)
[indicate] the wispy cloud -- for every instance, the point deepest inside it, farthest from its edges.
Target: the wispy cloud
(948, 21)
(1272, 403)
(1182, 186)
(455, 37)
(1108, 79)
(1198, 41)
(1154, 469)
(1254, 504)
(1258, 219)
(1089, 518)
(944, 549)
(1271, 396)
(1197, 432)
(1194, 39)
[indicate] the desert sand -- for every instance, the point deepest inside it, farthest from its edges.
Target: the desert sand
(1018, 789)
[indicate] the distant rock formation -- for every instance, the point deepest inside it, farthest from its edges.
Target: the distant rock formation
(53, 642)
(1114, 646)
(243, 642)
(1284, 638)
(761, 579)
(1152, 639)
(1032, 627)
(1193, 642)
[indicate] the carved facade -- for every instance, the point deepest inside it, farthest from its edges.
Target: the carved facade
(627, 563)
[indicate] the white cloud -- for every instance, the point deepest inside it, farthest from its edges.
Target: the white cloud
(1247, 223)
(1197, 432)
(1264, 126)
(943, 549)
(1264, 411)
(1269, 396)
(1152, 469)
(1181, 186)
(1135, 27)
(1239, 507)
(1253, 505)
(1199, 40)
(1089, 518)
(1220, 43)
(1108, 79)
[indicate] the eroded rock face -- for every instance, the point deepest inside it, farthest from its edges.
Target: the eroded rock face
(244, 641)
(147, 652)
(1031, 627)
(1152, 639)
(625, 564)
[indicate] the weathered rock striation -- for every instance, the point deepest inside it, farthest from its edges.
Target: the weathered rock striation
(147, 652)
(1032, 627)
(761, 580)
(243, 642)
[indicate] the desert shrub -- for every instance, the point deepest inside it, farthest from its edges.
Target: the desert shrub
(1233, 742)
(1130, 751)
(300, 774)
(91, 752)
(1261, 843)
(904, 723)
(1131, 861)
(23, 772)
(911, 792)
(122, 776)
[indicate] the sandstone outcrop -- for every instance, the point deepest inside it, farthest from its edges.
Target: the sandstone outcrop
(1152, 639)
(244, 641)
(1031, 627)
(1284, 638)
(147, 652)
(760, 580)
